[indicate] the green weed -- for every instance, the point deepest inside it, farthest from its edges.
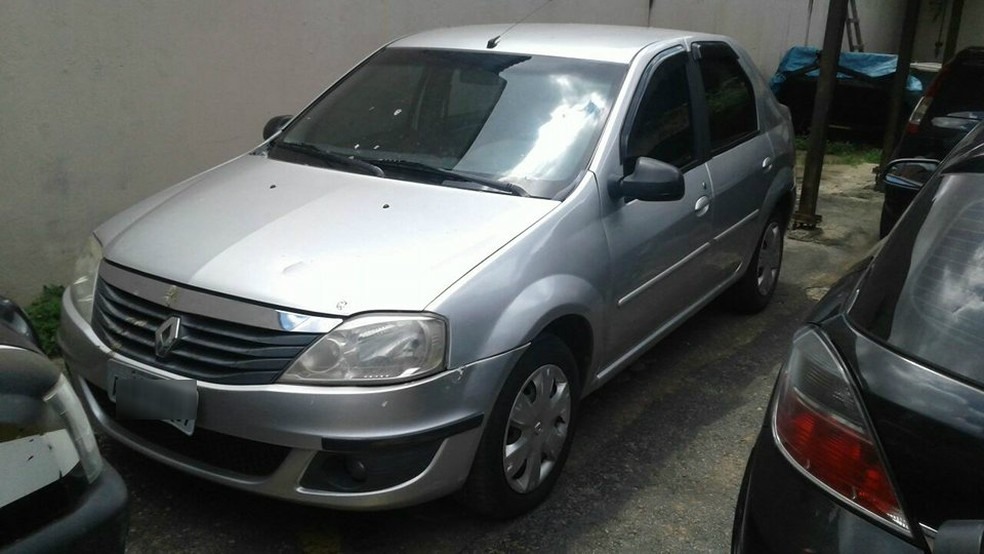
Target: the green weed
(843, 152)
(45, 313)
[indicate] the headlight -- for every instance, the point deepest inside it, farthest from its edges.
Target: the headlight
(83, 287)
(63, 401)
(373, 349)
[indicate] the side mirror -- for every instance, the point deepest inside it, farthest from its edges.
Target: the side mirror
(275, 124)
(960, 537)
(908, 172)
(652, 181)
(14, 318)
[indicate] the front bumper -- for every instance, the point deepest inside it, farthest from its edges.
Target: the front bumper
(780, 510)
(98, 523)
(308, 440)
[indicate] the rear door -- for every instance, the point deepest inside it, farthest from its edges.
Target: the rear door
(741, 163)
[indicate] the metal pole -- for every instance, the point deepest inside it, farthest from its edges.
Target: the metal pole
(953, 31)
(806, 216)
(897, 92)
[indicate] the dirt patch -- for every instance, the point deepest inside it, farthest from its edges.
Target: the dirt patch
(850, 208)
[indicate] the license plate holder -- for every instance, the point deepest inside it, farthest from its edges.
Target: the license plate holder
(142, 395)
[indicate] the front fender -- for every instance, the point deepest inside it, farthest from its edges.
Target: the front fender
(557, 267)
(526, 317)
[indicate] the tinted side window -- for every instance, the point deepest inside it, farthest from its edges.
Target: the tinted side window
(663, 128)
(730, 101)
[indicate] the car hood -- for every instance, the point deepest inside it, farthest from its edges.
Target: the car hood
(314, 239)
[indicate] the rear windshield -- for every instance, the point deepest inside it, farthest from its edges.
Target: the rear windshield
(960, 89)
(924, 295)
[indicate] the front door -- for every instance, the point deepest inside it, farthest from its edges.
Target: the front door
(657, 248)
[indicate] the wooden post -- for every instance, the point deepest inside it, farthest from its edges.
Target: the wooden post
(897, 93)
(806, 216)
(953, 29)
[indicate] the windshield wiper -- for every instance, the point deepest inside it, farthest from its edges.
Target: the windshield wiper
(331, 157)
(453, 175)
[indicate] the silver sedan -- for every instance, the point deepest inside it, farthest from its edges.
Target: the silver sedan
(407, 289)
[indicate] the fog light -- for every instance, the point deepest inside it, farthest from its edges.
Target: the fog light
(356, 469)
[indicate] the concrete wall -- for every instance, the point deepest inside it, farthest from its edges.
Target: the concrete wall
(930, 19)
(768, 28)
(104, 102)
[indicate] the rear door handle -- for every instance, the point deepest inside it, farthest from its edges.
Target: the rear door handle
(767, 164)
(702, 205)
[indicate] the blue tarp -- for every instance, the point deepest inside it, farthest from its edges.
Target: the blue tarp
(870, 64)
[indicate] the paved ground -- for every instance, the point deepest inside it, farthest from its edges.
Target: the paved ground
(655, 466)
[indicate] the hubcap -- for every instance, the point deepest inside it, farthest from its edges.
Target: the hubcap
(537, 428)
(769, 258)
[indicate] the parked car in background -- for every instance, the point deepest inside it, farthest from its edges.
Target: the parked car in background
(407, 290)
(56, 494)
(873, 438)
(952, 106)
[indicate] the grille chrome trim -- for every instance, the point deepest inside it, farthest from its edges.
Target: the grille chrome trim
(163, 295)
(210, 349)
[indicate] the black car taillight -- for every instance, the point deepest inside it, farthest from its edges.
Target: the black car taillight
(915, 119)
(820, 427)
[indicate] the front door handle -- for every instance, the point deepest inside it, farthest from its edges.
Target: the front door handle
(703, 204)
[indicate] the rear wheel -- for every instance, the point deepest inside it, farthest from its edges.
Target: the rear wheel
(754, 290)
(528, 434)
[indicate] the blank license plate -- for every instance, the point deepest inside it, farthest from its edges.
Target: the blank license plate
(138, 395)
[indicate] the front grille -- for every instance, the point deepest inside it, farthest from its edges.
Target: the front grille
(218, 450)
(209, 349)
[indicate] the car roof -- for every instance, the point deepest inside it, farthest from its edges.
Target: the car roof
(610, 43)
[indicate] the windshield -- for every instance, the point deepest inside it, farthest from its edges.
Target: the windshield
(924, 295)
(441, 116)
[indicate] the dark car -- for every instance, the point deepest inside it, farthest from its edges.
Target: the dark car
(56, 492)
(874, 438)
(952, 106)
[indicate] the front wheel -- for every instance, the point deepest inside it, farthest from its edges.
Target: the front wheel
(754, 290)
(528, 434)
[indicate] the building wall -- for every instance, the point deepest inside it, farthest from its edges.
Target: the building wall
(104, 102)
(934, 15)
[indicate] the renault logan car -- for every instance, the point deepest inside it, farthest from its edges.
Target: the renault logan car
(56, 494)
(873, 441)
(407, 290)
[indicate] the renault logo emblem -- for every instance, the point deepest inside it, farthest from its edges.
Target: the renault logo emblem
(167, 335)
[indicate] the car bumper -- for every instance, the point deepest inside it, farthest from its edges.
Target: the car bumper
(409, 442)
(780, 510)
(98, 523)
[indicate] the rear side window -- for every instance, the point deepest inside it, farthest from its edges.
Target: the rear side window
(730, 98)
(960, 89)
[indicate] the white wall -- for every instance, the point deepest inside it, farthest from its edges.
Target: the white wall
(103, 102)
(930, 19)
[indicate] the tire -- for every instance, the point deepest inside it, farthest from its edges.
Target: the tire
(526, 428)
(752, 293)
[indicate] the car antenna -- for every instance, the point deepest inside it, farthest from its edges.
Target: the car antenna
(494, 41)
